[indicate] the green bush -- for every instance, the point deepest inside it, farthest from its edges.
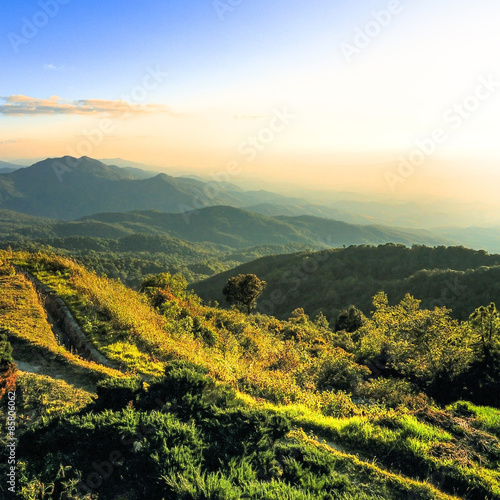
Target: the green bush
(187, 390)
(340, 371)
(117, 393)
(393, 393)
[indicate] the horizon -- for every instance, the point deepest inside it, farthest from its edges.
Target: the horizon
(257, 181)
(381, 98)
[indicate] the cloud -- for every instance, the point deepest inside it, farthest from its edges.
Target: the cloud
(19, 105)
(49, 66)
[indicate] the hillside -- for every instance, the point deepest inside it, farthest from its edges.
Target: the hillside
(197, 244)
(331, 280)
(235, 406)
(221, 225)
(69, 188)
(132, 258)
(240, 228)
(7, 168)
(325, 212)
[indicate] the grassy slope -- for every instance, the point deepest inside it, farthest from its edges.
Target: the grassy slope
(34, 343)
(395, 453)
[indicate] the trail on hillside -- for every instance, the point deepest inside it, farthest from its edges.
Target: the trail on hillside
(41, 343)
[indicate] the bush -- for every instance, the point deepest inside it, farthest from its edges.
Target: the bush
(340, 371)
(186, 390)
(117, 393)
(337, 404)
(350, 320)
(394, 392)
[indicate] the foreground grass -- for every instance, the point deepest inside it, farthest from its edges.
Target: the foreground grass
(40, 398)
(456, 457)
(404, 452)
(25, 321)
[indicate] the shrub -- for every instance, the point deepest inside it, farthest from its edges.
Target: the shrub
(340, 371)
(337, 404)
(117, 393)
(393, 392)
(187, 390)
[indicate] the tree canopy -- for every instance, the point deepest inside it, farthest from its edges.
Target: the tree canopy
(244, 290)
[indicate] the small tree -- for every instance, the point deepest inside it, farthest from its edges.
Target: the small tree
(163, 287)
(485, 322)
(244, 290)
(349, 320)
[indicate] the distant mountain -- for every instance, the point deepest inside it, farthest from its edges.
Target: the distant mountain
(139, 170)
(69, 188)
(6, 167)
(429, 215)
(487, 238)
(273, 210)
(25, 162)
(331, 280)
(238, 228)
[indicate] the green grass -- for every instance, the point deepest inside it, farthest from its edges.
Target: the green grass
(484, 417)
(41, 397)
(23, 316)
(353, 446)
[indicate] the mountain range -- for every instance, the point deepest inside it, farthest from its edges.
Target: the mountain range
(7, 168)
(225, 226)
(69, 189)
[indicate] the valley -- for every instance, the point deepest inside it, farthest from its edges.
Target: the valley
(365, 368)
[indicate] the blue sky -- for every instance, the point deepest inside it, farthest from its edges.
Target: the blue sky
(223, 79)
(102, 47)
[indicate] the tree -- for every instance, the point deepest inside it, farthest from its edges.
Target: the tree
(485, 322)
(349, 320)
(244, 290)
(163, 287)
(425, 347)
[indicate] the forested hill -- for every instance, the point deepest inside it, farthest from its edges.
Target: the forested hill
(222, 225)
(331, 280)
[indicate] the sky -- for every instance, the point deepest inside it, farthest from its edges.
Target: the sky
(392, 96)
